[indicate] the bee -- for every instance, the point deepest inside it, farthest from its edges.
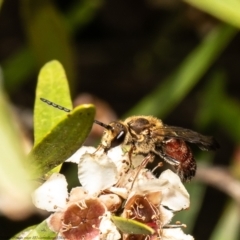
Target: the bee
(149, 136)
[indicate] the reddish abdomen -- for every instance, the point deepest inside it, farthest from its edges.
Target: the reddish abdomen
(181, 152)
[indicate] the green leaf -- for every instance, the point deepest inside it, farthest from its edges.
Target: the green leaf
(24, 232)
(63, 140)
(52, 85)
(228, 224)
(131, 226)
(1, 1)
(40, 231)
(18, 68)
(211, 100)
(229, 117)
(22, 64)
(168, 94)
(227, 11)
(218, 107)
(14, 174)
(47, 34)
(82, 13)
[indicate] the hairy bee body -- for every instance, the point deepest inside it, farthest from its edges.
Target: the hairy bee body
(148, 135)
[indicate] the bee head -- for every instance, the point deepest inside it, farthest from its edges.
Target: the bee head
(113, 135)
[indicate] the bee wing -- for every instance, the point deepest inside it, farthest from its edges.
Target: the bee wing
(203, 142)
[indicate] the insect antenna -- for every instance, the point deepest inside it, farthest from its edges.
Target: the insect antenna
(103, 125)
(55, 105)
(68, 110)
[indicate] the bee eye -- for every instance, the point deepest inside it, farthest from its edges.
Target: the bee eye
(118, 139)
(120, 135)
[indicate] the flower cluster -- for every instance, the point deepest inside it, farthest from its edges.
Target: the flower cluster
(114, 201)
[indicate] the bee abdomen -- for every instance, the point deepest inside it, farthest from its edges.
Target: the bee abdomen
(180, 154)
(187, 169)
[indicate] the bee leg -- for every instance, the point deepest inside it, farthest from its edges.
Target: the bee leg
(100, 147)
(168, 159)
(145, 161)
(130, 153)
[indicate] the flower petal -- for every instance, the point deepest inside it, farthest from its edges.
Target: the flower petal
(122, 192)
(175, 195)
(51, 195)
(78, 154)
(96, 172)
(120, 159)
(175, 234)
(108, 229)
(166, 215)
(77, 194)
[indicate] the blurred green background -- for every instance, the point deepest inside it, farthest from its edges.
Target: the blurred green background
(177, 60)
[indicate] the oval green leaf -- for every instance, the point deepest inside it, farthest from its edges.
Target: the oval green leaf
(40, 231)
(52, 85)
(131, 226)
(63, 140)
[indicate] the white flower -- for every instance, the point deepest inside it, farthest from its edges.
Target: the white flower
(106, 180)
